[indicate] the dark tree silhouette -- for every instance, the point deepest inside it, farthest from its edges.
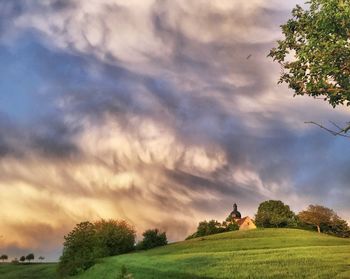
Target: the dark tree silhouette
(4, 257)
(30, 257)
(151, 239)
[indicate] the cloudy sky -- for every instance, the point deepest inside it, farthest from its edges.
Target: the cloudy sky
(150, 111)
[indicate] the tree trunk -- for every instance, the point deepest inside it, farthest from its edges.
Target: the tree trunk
(318, 229)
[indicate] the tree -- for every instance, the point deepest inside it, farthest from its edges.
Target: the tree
(89, 241)
(210, 227)
(151, 239)
(78, 249)
(274, 213)
(114, 237)
(4, 257)
(315, 52)
(325, 220)
(41, 258)
(30, 257)
(22, 259)
(232, 226)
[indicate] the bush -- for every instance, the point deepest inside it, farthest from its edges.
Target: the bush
(275, 214)
(232, 226)
(151, 239)
(208, 228)
(124, 273)
(213, 227)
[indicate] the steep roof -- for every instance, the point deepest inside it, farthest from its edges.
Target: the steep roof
(242, 220)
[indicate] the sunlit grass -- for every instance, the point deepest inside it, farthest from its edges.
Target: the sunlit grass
(270, 253)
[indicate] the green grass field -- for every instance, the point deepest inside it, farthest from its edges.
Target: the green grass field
(268, 253)
(28, 271)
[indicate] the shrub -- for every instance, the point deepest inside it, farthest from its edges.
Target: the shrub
(124, 273)
(232, 226)
(213, 227)
(151, 239)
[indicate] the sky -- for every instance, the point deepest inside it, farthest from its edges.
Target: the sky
(160, 112)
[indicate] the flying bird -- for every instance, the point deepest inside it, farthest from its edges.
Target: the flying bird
(249, 56)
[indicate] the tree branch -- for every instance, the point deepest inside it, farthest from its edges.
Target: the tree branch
(342, 131)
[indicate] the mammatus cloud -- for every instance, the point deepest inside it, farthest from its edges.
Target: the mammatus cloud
(151, 112)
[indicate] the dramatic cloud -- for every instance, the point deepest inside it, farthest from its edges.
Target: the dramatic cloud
(162, 113)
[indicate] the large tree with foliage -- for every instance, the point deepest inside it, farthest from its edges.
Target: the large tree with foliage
(315, 51)
(114, 237)
(89, 241)
(325, 220)
(79, 249)
(272, 214)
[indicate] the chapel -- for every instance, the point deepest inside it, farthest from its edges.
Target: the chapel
(245, 223)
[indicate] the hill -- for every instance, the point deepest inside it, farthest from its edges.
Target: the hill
(268, 253)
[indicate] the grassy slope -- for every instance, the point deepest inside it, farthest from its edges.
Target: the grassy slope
(269, 253)
(28, 271)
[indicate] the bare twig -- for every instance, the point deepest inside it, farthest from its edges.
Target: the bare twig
(341, 132)
(335, 125)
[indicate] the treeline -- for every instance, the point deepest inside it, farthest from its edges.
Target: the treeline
(88, 242)
(30, 257)
(276, 214)
(213, 227)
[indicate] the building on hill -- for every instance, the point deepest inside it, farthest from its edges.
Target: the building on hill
(245, 223)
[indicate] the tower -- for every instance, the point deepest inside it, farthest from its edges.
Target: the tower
(235, 214)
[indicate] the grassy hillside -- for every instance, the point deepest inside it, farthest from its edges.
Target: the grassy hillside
(269, 253)
(28, 271)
